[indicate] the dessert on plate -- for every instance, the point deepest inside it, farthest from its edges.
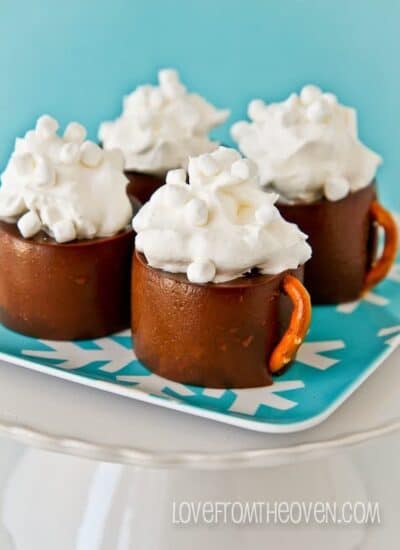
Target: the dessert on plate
(65, 237)
(308, 151)
(159, 128)
(217, 298)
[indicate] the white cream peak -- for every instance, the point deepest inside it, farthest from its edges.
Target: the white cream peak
(161, 126)
(66, 186)
(216, 224)
(306, 147)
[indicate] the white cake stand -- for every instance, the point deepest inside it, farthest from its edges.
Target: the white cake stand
(141, 454)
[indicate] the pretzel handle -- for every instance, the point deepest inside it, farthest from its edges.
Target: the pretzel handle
(298, 326)
(381, 266)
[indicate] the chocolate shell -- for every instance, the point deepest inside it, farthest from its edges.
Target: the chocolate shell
(142, 186)
(343, 239)
(67, 291)
(214, 335)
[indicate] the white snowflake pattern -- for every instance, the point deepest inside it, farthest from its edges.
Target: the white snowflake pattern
(309, 353)
(393, 332)
(371, 297)
(249, 400)
(75, 357)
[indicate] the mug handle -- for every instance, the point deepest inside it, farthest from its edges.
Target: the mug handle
(298, 325)
(380, 268)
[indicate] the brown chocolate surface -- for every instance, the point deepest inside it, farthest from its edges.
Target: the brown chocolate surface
(343, 240)
(215, 335)
(64, 291)
(142, 186)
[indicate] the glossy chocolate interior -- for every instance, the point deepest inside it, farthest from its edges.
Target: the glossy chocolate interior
(343, 238)
(68, 291)
(214, 335)
(142, 186)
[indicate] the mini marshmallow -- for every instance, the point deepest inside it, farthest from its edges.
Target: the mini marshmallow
(331, 99)
(336, 189)
(310, 93)
(170, 83)
(156, 98)
(201, 271)
(85, 228)
(44, 173)
(317, 111)
(75, 132)
(23, 163)
(176, 176)
(208, 165)
(196, 212)
(64, 231)
(69, 153)
(292, 101)
(256, 109)
(239, 129)
(90, 154)
(240, 169)
(46, 126)
(176, 194)
(29, 224)
(265, 214)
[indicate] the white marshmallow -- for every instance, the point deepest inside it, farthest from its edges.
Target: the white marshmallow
(208, 165)
(309, 94)
(318, 111)
(239, 129)
(196, 212)
(336, 188)
(292, 101)
(201, 271)
(256, 109)
(90, 154)
(331, 99)
(69, 153)
(240, 169)
(64, 231)
(29, 224)
(23, 163)
(265, 214)
(75, 132)
(176, 194)
(85, 228)
(44, 173)
(156, 98)
(46, 126)
(176, 176)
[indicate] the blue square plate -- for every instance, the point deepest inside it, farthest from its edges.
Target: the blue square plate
(344, 346)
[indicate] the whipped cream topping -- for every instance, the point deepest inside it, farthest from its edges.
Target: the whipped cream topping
(161, 126)
(66, 186)
(306, 147)
(220, 225)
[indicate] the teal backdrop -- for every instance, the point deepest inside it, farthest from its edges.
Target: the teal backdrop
(76, 59)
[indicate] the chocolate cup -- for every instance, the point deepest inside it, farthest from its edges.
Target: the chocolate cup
(142, 186)
(343, 239)
(77, 290)
(214, 335)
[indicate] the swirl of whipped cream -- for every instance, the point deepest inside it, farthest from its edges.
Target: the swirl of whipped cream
(219, 226)
(161, 126)
(66, 186)
(306, 147)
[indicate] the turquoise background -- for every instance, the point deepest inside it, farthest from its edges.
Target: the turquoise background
(76, 59)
